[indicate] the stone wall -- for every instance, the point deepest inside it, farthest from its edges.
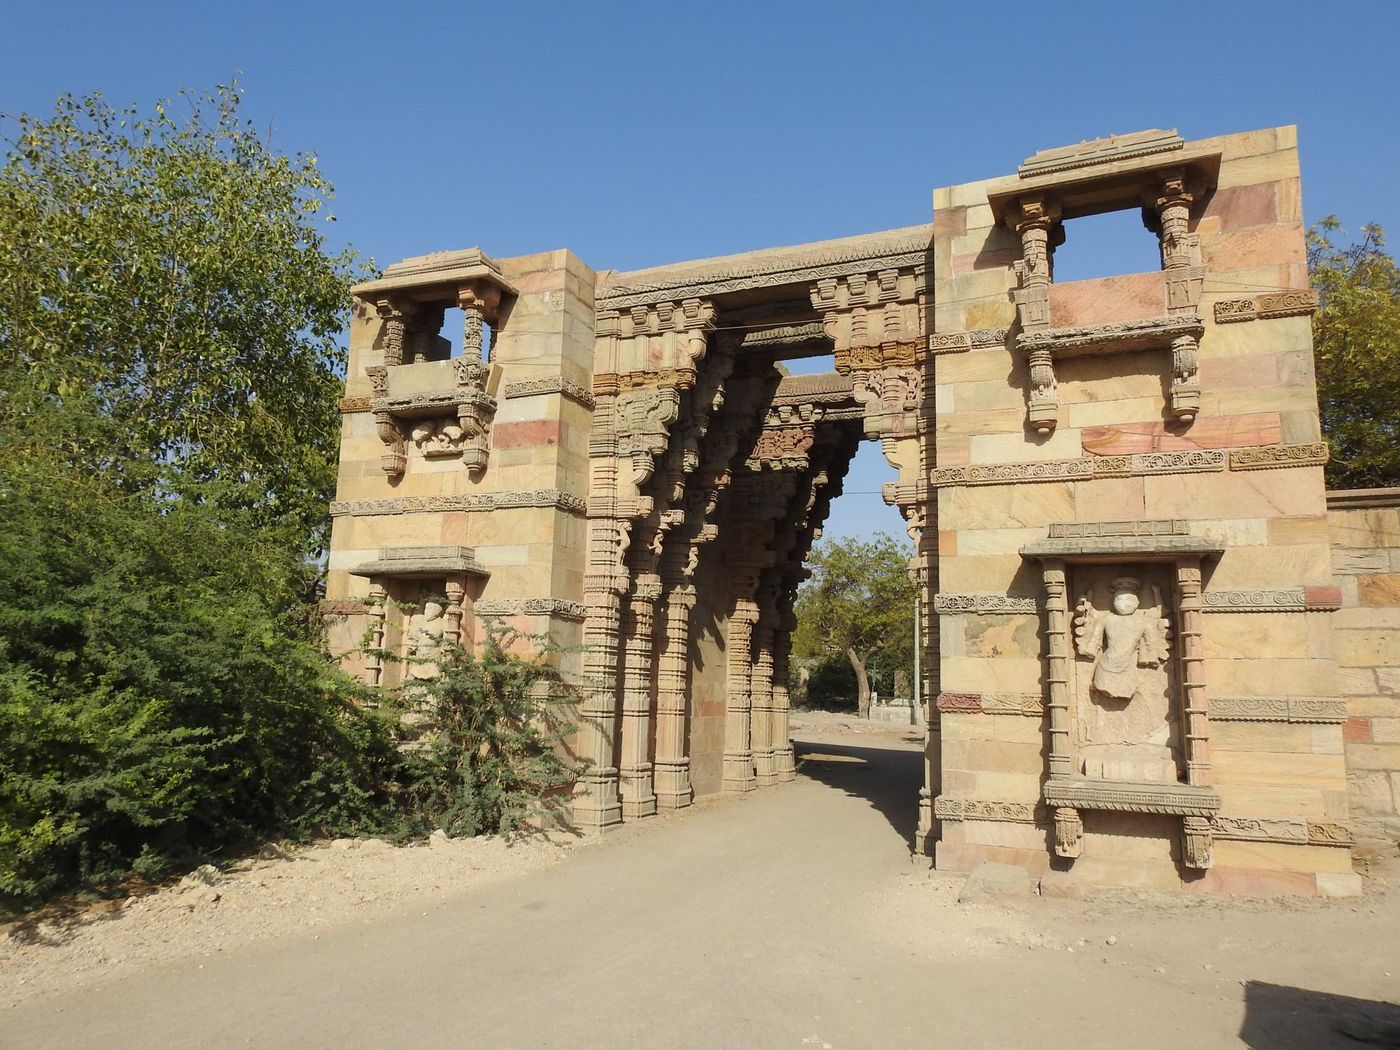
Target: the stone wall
(1365, 529)
(1178, 404)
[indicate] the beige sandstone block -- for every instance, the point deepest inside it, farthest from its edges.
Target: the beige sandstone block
(1112, 413)
(1234, 532)
(1006, 506)
(1262, 768)
(970, 674)
(1124, 836)
(1261, 167)
(998, 636)
(1019, 448)
(1254, 337)
(972, 423)
(1369, 528)
(1368, 648)
(1309, 528)
(1277, 737)
(982, 542)
(1110, 499)
(1002, 833)
(959, 727)
(962, 574)
(976, 366)
(1327, 740)
(1000, 786)
(989, 396)
(1293, 492)
(1373, 756)
(1282, 856)
(1321, 637)
(1248, 568)
(1281, 801)
(1021, 729)
(992, 312)
(993, 755)
(1369, 706)
(1269, 677)
(1236, 635)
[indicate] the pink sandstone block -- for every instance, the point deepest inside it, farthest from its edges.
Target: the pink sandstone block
(1105, 299)
(525, 434)
(1258, 428)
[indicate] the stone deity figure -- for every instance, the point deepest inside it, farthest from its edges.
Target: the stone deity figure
(1122, 640)
(425, 640)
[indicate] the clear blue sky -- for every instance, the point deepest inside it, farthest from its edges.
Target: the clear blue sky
(640, 133)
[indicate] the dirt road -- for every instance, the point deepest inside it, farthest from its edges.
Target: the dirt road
(791, 918)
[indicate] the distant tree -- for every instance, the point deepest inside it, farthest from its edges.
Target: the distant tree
(859, 603)
(1356, 340)
(168, 271)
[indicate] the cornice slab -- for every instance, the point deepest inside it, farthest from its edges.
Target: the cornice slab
(1086, 793)
(550, 385)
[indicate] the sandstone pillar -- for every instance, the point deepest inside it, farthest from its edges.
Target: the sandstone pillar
(635, 771)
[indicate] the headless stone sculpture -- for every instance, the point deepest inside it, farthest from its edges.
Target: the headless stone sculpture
(1124, 726)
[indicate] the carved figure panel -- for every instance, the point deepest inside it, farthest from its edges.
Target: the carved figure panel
(1124, 683)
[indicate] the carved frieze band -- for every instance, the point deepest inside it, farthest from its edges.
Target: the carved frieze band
(1029, 704)
(1270, 304)
(1265, 457)
(946, 807)
(961, 342)
(1269, 829)
(1325, 709)
(1073, 530)
(984, 604)
(1288, 599)
(342, 607)
(1186, 461)
(550, 385)
(361, 508)
(556, 607)
(356, 404)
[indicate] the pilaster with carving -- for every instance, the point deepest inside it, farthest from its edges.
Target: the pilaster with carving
(1037, 222)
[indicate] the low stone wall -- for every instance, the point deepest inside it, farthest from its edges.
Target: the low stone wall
(1365, 530)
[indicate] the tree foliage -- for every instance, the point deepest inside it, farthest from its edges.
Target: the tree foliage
(1356, 340)
(168, 269)
(481, 739)
(163, 696)
(859, 603)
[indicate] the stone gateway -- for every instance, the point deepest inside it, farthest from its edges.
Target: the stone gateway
(1114, 487)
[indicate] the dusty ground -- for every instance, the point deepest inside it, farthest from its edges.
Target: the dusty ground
(793, 917)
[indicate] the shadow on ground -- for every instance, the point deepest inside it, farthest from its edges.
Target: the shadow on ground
(888, 778)
(1278, 1017)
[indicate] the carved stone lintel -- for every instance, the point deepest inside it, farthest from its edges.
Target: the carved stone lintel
(1028, 704)
(484, 501)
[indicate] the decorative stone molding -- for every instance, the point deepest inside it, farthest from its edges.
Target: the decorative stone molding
(1269, 457)
(1113, 149)
(948, 808)
(1205, 460)
(1043, 346)
(783, 335)
(962, 342)
(1274, 829)
(1328, 834)
(983, 604)
(556, 607)
(342, 607)
(550, 385)
(769, 269)
(1013, 473)
(1302, 709)
(1086, 793)
(405, 562)
(605, 383)
(1281, 600)
(1067, 530)
(358, 403)
(1267, 305)
(484, 501)
(1028, 704)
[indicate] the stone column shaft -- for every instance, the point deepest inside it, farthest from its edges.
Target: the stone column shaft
(634, 774)
(738, 744)
(761, 700)
(1193, 686)
(673, 789)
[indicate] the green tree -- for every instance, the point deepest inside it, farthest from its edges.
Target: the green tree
(1356, 340)
(169, 271)
(858, 602)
